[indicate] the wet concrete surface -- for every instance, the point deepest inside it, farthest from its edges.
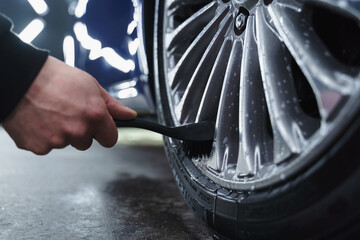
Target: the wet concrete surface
(119, 193)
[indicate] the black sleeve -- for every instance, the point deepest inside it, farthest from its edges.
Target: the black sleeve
(19, 65)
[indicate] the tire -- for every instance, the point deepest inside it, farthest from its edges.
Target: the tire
(298, 185)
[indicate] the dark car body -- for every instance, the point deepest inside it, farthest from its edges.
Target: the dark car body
(110, 45)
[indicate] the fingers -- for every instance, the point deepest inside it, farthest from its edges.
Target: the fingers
(83, 143)
(106, 133)
(43, 144)
(116, 109)
(69, 118)
(96, 123)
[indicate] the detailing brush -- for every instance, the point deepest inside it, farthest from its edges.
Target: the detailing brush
(197, 137)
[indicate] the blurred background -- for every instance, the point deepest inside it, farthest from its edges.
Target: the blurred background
(44, 24)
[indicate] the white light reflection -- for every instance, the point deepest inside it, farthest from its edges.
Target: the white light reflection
(131, 27)
(86, 41)
(127, 84)
(32, 30)
(133, 46)
(127, 93)
(39, 6)
(116, 61)
(80, 9)
(69, 50)
(96, 50)
(140, 50)
(136, 4)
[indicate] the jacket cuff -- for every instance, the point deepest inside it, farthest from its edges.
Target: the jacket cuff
(20, 63)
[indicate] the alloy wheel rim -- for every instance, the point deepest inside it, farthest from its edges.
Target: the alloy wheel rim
(265, 71)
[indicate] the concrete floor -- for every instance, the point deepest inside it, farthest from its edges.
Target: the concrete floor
(126, 192)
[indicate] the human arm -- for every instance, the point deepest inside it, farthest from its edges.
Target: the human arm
(19, 65)
(61, 106)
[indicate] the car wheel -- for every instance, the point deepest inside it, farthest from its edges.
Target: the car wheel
(281, 81)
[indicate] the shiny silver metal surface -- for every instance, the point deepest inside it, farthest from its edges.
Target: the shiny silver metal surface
(270, 73)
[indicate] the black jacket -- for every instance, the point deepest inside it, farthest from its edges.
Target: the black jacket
(19, 65)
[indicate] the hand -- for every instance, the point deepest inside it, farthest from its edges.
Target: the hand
(65, 106)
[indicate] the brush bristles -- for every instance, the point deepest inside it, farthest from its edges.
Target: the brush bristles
(196, 149)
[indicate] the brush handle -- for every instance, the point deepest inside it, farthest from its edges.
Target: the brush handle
(202, 131)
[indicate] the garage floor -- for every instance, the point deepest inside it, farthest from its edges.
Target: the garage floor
(126, 192)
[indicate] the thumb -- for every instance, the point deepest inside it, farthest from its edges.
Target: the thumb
(116, 109)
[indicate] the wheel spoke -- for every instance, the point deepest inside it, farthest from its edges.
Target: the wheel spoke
(210, 100)
(291, 126)
(186, 110)
(255, 147)
(330, 86)
(179, 77)
(227, 129)
(191, 27)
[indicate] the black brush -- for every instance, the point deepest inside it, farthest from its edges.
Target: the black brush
(197, 137)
